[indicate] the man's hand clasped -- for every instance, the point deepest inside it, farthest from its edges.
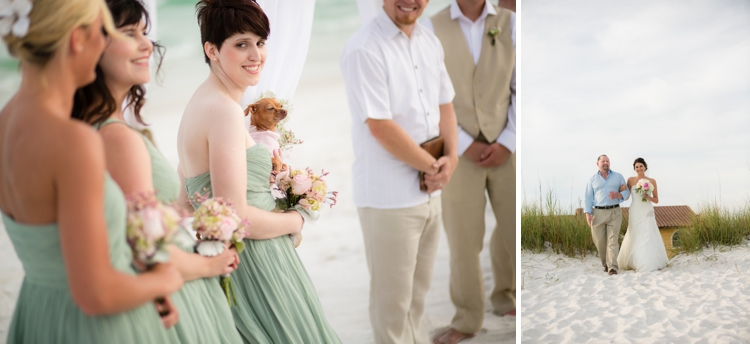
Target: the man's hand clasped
(442, 170)
(487, 155)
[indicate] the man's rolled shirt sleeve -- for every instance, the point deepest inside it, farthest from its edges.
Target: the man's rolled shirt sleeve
(588, 202)
(625, 194)
(371, 96)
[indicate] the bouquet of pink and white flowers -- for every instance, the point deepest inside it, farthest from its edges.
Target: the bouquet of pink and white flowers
(151, 225)
(217, 224)
(644, 187)
(305, 192)
(304, 189)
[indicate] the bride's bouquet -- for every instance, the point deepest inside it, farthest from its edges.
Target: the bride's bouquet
(150, 227)
(304, 191)
(216, 224)
(644, 187)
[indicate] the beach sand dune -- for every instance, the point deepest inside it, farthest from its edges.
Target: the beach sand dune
(703, 297)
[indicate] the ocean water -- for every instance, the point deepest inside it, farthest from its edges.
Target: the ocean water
(334, 22)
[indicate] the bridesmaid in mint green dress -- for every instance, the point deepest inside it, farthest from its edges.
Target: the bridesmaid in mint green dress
(138, 167)
(64, 215)
(276, 300)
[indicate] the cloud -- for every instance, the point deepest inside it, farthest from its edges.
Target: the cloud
(666, 81)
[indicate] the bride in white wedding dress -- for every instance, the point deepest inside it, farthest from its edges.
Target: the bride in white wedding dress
(642, 248)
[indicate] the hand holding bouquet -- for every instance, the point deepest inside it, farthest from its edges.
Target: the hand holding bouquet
(644, 187)
(150, 227)
(217, 224)
(305, 192)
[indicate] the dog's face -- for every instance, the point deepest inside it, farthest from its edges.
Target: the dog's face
(265, 114)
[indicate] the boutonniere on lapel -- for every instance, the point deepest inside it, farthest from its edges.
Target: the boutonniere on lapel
(493, 32)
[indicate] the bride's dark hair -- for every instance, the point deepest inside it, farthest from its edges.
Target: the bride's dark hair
(94, 102)
(642, 162)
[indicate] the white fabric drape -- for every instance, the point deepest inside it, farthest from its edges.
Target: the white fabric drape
(368, 9)
(291, 28)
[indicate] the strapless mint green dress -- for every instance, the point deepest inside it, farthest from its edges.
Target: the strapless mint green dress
(204, 313)
(277, 302)
(45, 311)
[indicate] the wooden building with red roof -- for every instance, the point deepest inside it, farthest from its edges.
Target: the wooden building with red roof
(669, 218)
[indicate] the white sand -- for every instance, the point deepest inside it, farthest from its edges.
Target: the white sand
(332, 250)
(701, 298)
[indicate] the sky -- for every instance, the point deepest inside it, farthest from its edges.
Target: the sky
(668, 81)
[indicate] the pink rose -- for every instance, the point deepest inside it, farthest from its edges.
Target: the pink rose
(282, 177)
(301, 184)
(226, 228)
(152, 225)
(317, 195)
(305, 203)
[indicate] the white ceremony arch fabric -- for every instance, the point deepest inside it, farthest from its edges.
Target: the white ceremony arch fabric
(287, 46)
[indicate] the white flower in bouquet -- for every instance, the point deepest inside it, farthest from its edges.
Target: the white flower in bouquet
(216, 224)
(644, 187)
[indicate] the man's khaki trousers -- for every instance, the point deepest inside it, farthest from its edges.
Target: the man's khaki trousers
(605, 230)
(463, 217)
(400, 245)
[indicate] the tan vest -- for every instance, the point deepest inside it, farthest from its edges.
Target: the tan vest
(482, 90)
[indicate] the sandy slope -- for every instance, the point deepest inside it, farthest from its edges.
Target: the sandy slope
(701, 298)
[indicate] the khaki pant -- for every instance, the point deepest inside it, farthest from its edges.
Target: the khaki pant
(400, 245)
(463, 217)
(605, 230)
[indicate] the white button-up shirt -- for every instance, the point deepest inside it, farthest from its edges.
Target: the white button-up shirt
(474, 33)
(391, 76)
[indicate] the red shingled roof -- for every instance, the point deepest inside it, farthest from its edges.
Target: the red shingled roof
(670, 215)
(666, 215)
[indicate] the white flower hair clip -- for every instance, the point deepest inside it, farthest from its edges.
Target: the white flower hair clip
(14, 17)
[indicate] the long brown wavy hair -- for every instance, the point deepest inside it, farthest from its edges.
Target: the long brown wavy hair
(94, 102)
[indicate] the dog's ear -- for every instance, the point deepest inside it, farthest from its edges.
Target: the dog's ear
(252, 108)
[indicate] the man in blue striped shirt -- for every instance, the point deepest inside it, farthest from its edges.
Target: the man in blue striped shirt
(604, 192)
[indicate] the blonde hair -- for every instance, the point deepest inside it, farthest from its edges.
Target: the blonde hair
(51, 23)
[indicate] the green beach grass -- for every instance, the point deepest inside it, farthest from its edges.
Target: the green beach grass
(546, 224)
(714, 226)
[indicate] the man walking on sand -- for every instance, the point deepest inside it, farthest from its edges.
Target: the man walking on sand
(479, 43)
(604, 192)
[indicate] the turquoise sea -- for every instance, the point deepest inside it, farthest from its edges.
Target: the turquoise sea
(334, 22)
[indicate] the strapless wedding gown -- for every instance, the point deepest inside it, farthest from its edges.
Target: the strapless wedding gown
(642, 248)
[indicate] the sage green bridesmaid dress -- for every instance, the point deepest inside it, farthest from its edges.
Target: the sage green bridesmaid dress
(204, 313)
(277, 302)
(45, 311)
